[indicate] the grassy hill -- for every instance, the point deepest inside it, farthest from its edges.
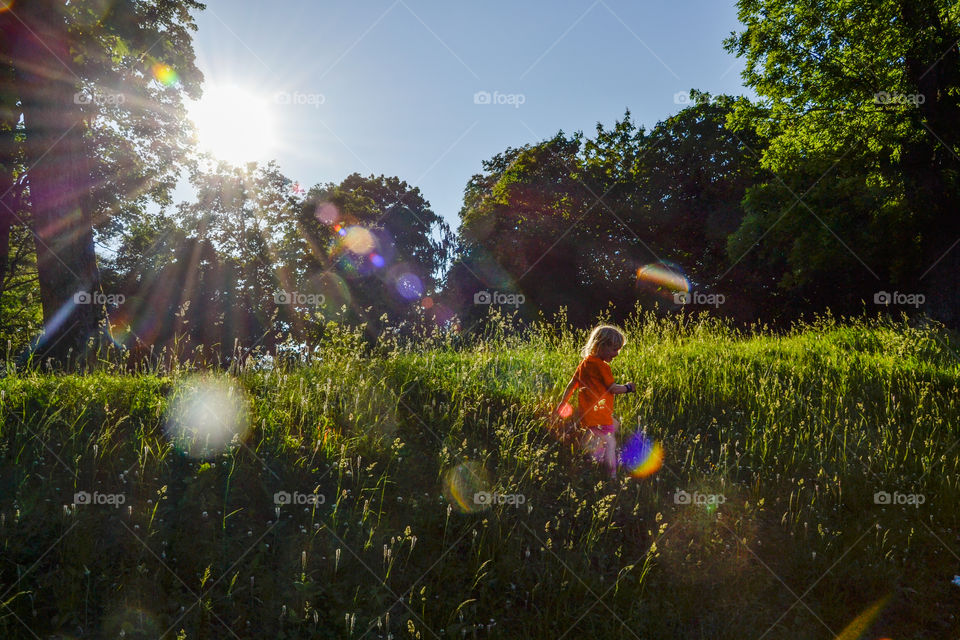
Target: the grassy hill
(345, 505)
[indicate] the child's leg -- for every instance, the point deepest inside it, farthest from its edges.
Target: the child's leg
(610, 453)
(611, 457)
(603, 446)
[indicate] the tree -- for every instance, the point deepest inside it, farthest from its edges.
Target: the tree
(102, 130)
(864, 115)
(370, 245)
(568, 222)
(519, 230)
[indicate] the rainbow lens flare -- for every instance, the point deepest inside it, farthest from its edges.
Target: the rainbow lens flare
(863, 622)
(466, 485)
(641, 456)
(165, 74)
(663, 276)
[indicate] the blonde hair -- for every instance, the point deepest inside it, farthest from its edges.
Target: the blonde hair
(603, 336)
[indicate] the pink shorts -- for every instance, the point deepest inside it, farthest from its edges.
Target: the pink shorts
(607, 429)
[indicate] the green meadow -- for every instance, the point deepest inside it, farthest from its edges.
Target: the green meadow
(350, 504)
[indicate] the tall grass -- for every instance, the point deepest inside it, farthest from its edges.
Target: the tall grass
(796, 431)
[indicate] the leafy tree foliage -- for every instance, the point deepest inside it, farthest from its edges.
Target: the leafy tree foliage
(253, 263)
(98, 130)
(568, 222)
(864, 130)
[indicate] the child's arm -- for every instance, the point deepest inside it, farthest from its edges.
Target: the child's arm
(622, 388)
(567, 393)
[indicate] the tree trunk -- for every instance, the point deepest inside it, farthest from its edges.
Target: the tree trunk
(59, 181)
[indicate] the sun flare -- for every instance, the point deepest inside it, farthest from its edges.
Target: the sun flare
(234, 124)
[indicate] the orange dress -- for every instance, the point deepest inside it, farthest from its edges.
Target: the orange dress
(594, 378)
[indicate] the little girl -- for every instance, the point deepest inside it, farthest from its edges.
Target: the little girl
(597, 388)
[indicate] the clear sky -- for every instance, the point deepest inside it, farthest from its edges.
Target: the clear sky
(396, 86)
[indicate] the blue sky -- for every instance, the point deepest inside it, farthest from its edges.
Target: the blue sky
(391, 86)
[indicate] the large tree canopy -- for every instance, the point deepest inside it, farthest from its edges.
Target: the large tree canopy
(95, 100)
(569, 222)
(864, 128)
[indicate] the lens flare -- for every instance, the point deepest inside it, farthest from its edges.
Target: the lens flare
(663, 276)
(441, 314)
(93, 13)
(327, 213)
(131, 622)
(359, 240)
(120, 330)
(641, 456)
(463, 483)
(205, 415)
(335, 291)
(409, 286)
(165, 74)
(566, 410)
(862, 622)
(377, 260)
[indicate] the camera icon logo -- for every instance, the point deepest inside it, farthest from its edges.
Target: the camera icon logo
(881, 497)
(82, 497)
(482, 297)
(282, 297)
(882, 297)
(682, 297)
(681, 497)
(482, 97)
(82, 297)
(282, 498)
(482, 497)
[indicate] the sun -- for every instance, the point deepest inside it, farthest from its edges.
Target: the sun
(234, 124)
